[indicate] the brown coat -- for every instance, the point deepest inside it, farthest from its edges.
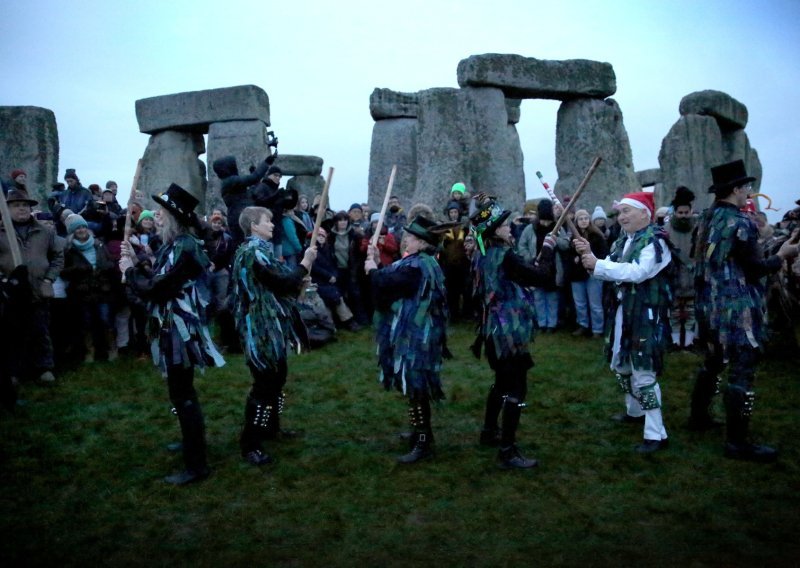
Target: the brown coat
(41, 253)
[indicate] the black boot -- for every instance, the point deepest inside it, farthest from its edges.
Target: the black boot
(422, 439)
(274, 430)
(256, 419)
(509, 454)
(739, 408)
(706, 385)
(193, 433)
(490, 434)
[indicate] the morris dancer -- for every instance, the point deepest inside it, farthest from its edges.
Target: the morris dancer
(637, 322)
(269, 324)
(507, 316)
(411, 319)
(177, 328)
(730, 303)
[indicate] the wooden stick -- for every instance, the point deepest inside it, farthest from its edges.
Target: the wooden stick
(126, 238)
(323, 205)
(574, 199)
(11, 233)
(376, 235)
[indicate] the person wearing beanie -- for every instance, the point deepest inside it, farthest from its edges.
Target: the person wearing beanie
(730, 305)
(638, 317)
(357, 221)
(19, 180)
(547, 296)
(600, 220)
(411, 321)
(502, 293)
(29, 348)
(453, 261)
(76, 197)
(459, 195)
(90, 272)
(681, 227)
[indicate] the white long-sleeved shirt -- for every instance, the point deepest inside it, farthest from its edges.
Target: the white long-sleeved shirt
(634, 272)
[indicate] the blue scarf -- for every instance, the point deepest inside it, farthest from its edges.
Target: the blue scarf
(87, 249)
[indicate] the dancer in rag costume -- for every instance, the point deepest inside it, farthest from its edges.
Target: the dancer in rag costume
(501, 279)
(269, 324)
(730, 304)
(180, 340)
(411, 319)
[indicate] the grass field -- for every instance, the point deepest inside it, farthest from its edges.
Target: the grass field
(83, 461)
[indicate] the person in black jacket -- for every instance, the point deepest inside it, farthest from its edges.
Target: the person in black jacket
(235, 187)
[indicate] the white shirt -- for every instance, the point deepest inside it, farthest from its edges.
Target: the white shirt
(637, 271)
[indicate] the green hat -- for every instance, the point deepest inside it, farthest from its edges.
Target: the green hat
(459, 187)
(146, 214)
(421, 227)
(486, 220)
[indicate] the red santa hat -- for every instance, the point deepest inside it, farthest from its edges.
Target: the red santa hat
(640, 200)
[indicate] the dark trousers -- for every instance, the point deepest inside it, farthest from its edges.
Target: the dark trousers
(182, 395)
(31, 349)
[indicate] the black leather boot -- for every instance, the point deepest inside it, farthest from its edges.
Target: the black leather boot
(739, 407)
(490, 434)
(509, 454)
(422, 438)
(193, 432)
(706, 385)
(256, 419)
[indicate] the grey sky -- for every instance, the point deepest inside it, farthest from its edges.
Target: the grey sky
(88, 61)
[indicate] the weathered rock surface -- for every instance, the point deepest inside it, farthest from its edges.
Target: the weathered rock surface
(194, 111)
(729, 113)
(171, 157)
(691, 147)
(585, 129)
(648, 178)
(385, 103)
(394, 141)
(529, 78)
(297, 165)
(308, 185)
(246, 140)
(513, 110)
(736, 146)
(29, 140)
(463, 135)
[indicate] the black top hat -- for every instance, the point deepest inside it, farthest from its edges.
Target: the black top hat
(19, 195)
(728, 176)
(179, 202)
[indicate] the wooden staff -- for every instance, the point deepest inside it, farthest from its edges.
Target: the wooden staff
(376, 235)
(574, 199)
(323, 205)
(556, 200)
(11, 234)
(128, 228)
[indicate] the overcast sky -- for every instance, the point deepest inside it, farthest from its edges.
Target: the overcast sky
(89, 61)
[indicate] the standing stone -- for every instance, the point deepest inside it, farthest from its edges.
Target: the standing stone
(513, 110)
(585, 129)
(648, 178)
(529, 78)
(394, 142)
(246, 140)
(195, 111)
(463, 135)
(307, 185)
(691, 147)
(736, 146)
(385, 103)
(171, 157)
(729, 113)
(29, 140)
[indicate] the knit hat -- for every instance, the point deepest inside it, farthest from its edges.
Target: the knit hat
(662, 211)
(640, 200)
(109, 183)
(355, 206)
(545, 207)
(452, 205)
(580, 212)
(598, 213)
(70, 174)
(146, 214)
(459, 187)
(273, 170)
(17, 172)
(74, 222)
(375, 217)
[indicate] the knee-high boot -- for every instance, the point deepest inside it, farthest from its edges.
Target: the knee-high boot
(509, 455)
(738, 410)
(257, 417)
(490, 434)
(706, 385)
(419, 413)
(193, 432)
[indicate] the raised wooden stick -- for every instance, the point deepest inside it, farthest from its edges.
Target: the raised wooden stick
(376, 235)
(11, 233)
(323, 205)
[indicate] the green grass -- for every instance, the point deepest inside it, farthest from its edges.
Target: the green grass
(83, 461)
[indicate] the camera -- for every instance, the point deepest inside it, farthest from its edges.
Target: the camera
(272, 140)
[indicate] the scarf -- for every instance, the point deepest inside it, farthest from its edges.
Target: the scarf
(86, 248)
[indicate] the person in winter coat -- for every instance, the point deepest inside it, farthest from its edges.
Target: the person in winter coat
(234, 189)
(324, 274)
(587, 291)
